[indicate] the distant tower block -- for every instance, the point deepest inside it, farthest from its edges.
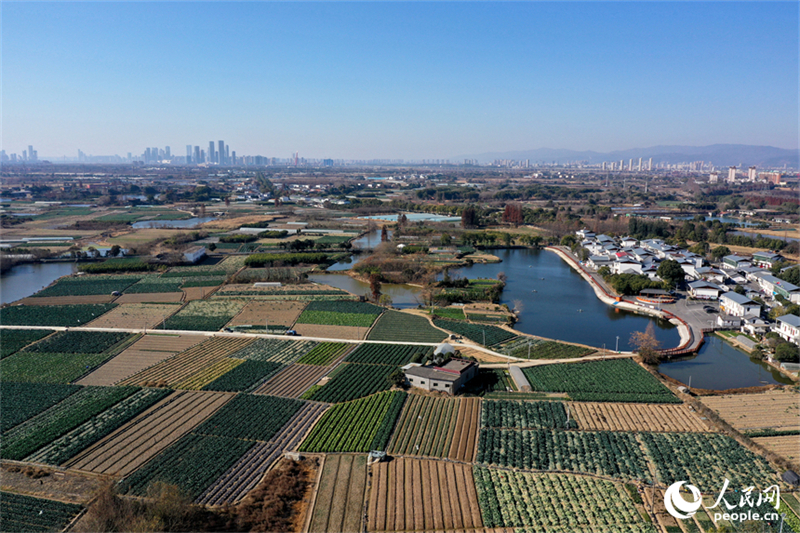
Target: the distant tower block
(751, 174)
(640, 165)
(731, 174)
(630, 164)
(650, 164)
(621, 164)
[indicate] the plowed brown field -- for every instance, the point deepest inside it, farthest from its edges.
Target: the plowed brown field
(416, 495)
(776, 409)
(150, 297)
(636, 417)
(293, 381)
(466, 433)
(135, 316)
(331, 332)
(197, 293)
(68, 300)
(135, 443)
(340, 496)
(282, 313)
(786, 445)
(144, 353)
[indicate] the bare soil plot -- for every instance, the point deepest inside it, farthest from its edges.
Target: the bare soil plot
(144, 315)
(331, 332)
(197, 293)
(72, 487)
(636, 417)
(135, 443)
(150, 297)
(259, 312)
(340, 497)
(465, 436)
(243, 476)
(776, 409)
(416, 495)
(293, 381)
(787, 446)
(68, 300)
(186, 364)
(144, 353)
(482, 357)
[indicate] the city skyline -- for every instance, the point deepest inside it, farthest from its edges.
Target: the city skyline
(397, 81)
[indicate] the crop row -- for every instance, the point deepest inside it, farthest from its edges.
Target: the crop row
(50, 367)
(244, 376)
(52, 315)
(22, 401)
(79, 342)
(26, 513)
(704, 460)
(357, 426)
(617, 376)
(205, 315)
(250, 417)
(426, 427)
(44, 428)
(547, 350)
(88, 285)
(344, 306)
(13, 340)
(354, 381)
(387, 354)
(554, 502)
(486, 335)
(260, 260)
(192, 463)
(594, 452)
(208, 374)
(404, 327)
(80, 438)
(525, 415)
(335, 318)
(275, 350)
(324, 353)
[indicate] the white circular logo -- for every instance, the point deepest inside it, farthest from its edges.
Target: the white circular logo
(673, 500)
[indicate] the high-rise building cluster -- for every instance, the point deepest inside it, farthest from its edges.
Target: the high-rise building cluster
(30, 156)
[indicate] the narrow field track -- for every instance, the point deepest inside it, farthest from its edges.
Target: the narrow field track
(243, 476)
(636, 417)
(138, 441)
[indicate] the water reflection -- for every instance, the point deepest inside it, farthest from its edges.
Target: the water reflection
(24, 280)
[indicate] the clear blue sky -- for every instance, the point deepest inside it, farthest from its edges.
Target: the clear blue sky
(396, 80)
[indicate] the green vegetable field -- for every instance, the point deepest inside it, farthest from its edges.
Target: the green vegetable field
(52, 315)
(404, 327)
(354, 381)
(13, 340)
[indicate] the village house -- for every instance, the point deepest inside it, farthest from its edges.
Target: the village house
(448, 378)
(788, 327)
(703, 290)
(739, 305)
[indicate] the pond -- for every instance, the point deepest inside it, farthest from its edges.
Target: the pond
(720, 366)
(187, 223)
(370, 239)
(26, 279)
(415, 217)
(403, 296)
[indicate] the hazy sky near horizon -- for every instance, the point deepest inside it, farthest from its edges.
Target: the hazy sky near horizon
(396, 80)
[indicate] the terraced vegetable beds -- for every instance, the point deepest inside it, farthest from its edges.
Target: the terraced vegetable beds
(405, 327)
(37, 432)
(250, 417)
(617, 380)
(243, 476)
(705, 459)
(387, 354)
(426, 427)
(603, 453)
(525, 415)
(245, 376)
(13, 340)
(555, 502)
(354, 381)
(357, 426)
(416, 495)
(482, 334)
(339, 503)
(52, 315)
(135, 443)
(22, 401)
(94, 429)
(26, 513)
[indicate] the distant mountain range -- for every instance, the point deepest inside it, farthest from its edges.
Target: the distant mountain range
(717, 154)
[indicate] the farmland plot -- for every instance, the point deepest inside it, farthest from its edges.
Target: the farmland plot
(144, 353)
(293, 381)
(152, 297)
(555, 502)
(250, 417)
(146, 316)
(13, 340)
(22, 401)
(67, 300)
(133, 444)
(603, 452)
(353, 381)
(340, 496)
(775, 409)
(636, 417)
(786, 446)
(340, 313)
(325, 353)
(426, 427)
(204, 315)
(88, 285)
(465, 436)
(209, 374)
(525, 415)
(475, 332)
(350, 333)
(249, 374)
(25, 513)
(79, 342)
(405, 327)
(53, 315)
(243, 476)
(50, 367)
(387, 354)
(416, 495)
(280, 351)
(282, 313)
(188, 363)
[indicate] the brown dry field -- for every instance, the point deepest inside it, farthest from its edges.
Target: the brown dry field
(331, 332)
(71, 487)
(144, 353)
(197, 293)
(787, 446)
(68, 300)
(150, 297)
(465, 437)
(135, 443)
(236, 222)
(189, 362)
(603, 416)
(777, 409)
(293, 381)
(132, 238)
(282, 313)
(417, 495)
(134, 316)
(340, 498)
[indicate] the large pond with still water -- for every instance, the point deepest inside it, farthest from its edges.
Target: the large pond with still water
(720, 366)
(23, 280)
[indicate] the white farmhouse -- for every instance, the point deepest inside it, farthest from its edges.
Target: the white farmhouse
(738, 305)
(788, 327)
